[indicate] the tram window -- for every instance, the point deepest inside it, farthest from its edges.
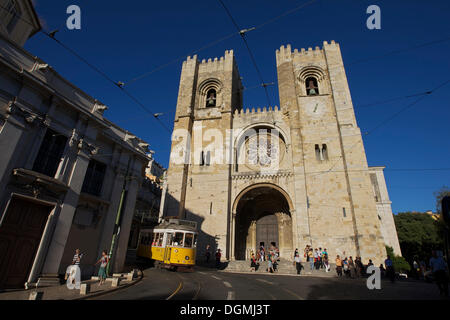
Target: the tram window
(195, 240)
(188, 240)
(160, 239)
(178, 239)
(169, 239)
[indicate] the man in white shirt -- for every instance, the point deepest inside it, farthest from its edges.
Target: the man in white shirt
(298, 263)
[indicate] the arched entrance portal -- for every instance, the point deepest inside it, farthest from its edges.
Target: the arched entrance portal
(262, 217)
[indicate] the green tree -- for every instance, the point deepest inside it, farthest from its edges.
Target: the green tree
(418, 234)
(400, 264)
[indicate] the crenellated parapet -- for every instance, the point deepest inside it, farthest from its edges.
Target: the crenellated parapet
(217, 64)
(285, 53)
(253, 111)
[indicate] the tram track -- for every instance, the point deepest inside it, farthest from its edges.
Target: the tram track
(183, 287)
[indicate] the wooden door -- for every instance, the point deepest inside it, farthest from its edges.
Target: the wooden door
(20, 234)
(267, 231)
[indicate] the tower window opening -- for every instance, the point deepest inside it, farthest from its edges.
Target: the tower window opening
(211, 98)
(321, 152)
(202, 159)
(318, 153)
(312, 87)
(324, 152)
(208, 158)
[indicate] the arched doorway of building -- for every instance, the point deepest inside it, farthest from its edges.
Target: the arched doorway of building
(262, 218)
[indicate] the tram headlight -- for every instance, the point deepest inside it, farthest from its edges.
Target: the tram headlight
(176, 250)
(187, 257)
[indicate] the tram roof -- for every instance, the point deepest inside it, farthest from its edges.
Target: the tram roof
(178, 224)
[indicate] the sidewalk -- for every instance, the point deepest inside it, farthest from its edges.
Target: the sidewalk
(63, 293)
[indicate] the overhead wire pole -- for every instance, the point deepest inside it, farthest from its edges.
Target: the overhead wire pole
(118, 216)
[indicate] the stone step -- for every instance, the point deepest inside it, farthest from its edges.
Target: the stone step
(283, 267)
(48, 280)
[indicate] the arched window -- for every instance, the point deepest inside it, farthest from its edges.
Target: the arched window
(312, 87)
(211, 98)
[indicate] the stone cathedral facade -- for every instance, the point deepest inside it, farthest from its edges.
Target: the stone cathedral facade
(296, 174)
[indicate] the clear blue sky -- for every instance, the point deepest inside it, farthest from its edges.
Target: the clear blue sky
(128, 38)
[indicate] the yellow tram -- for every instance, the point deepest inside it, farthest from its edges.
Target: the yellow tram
(172, 244)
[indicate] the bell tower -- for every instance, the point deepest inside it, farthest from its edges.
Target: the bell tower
(336, 206)
(198, 178)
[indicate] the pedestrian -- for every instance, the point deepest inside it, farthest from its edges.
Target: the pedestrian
(359, 267)
(316, 259)
(339, 266)
(351, 267)
(295, 252)
(208, 253)
(416, 268)
(77, 257)
(390, 272)
(320, 257)
(73, 272)
(326, 264)
(439, 269)
(262, 252)
(423, 268)
(345, 267)
(103, 263)
(298, 263)
(218, 256)
(258, 256)
(270, 262)
(311, 258)
(253, 263)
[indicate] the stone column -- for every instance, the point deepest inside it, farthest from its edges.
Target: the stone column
(64, 221)
(232, 235)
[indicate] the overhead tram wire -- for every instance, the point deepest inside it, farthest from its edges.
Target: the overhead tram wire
(426, 44)
(96, 69)
(393, 99)
(50, 35)
(242, 33)
(218, 41)
(180, 58)
(387, 120)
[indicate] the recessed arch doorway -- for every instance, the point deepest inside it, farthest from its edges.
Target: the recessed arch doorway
(262, 217)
